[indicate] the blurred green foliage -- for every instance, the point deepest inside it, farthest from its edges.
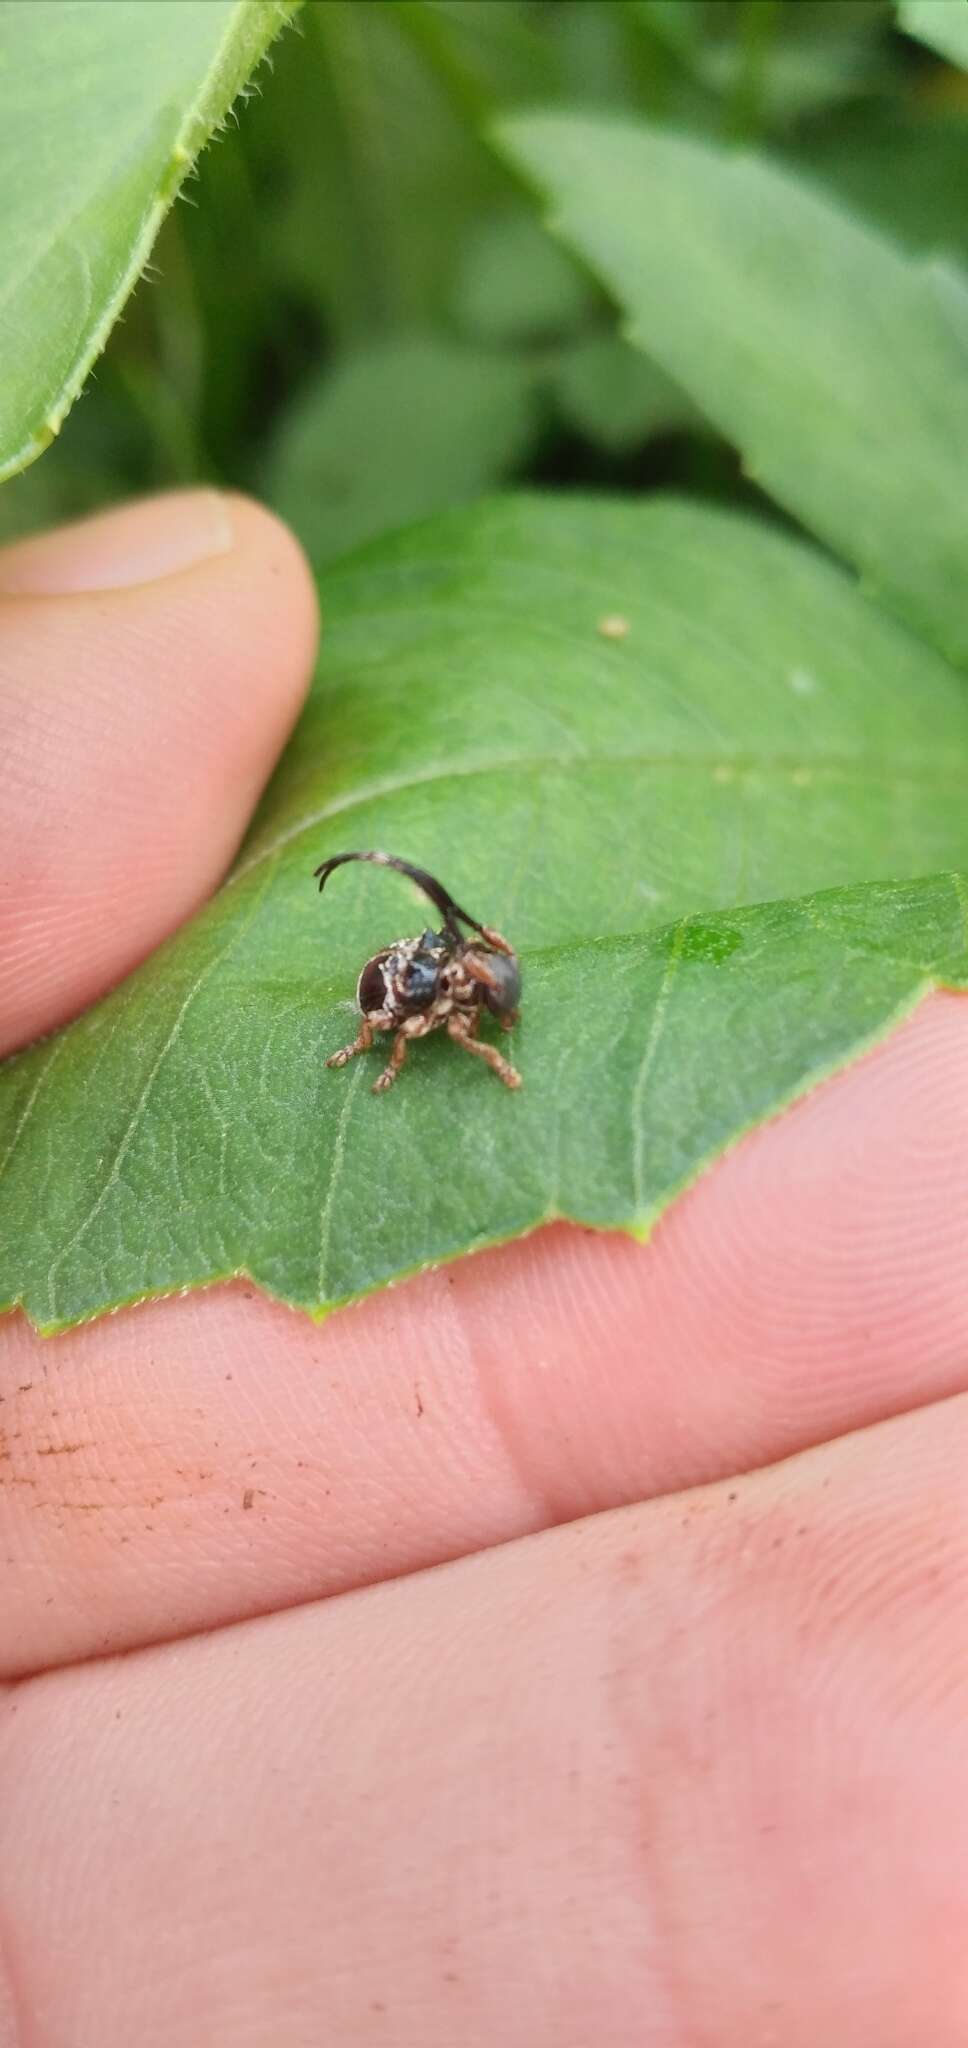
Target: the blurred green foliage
(356, 313)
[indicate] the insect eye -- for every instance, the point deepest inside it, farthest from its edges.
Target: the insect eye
(371, 988)
(502, 991)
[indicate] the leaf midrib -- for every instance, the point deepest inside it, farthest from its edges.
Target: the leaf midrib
(333, 991)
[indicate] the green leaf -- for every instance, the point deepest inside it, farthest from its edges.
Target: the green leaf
(370, 173)
(615, 396)
(605, 64)
(905, 169)
(798, 76)
(483, 51)
(759, 731)
(942, 24)
(836, 363)
(103, 110)
(775, 64)
(395, 432)
(515, 286)
(100, 451)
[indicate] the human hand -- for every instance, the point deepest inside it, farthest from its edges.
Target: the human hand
(661, 1755)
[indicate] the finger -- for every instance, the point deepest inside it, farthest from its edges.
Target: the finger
(691, 1772)
(208, 1458)
(152, 662)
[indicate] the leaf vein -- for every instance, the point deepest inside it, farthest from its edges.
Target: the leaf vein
(134, 1120)
(721, 767)
(648, 1060)
(57, 1045)
(335, 1172)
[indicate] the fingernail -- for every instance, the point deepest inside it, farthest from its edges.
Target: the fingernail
(137, 543)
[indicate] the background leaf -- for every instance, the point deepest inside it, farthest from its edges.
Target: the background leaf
(514, 285)
(768, 64)
(615, 395)
(368, 206)
(448, 422)
(760, 731)
(942, 24)
(102, 113)
(905, 169)
(831, 359)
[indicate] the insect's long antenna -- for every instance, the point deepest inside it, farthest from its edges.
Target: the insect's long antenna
(438, 895)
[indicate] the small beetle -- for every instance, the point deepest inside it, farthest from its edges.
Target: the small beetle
(440, 980)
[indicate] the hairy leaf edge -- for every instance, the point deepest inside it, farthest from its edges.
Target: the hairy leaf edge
(254, 24)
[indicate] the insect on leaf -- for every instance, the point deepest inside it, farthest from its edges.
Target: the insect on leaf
(703, 837)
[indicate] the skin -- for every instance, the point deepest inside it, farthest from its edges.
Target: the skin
(671, 1748)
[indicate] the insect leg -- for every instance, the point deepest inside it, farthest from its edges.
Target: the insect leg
(494, 939)
(462, 1028)
(361, 1043)
(378, 1020)
(412, 1027)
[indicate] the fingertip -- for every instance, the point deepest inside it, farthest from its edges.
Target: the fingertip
(283, 562)
(154, 661)
(145, 540)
